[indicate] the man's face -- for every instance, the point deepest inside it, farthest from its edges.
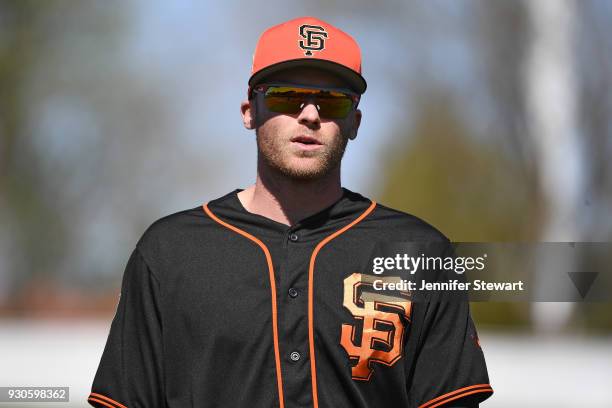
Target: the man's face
(304, 145)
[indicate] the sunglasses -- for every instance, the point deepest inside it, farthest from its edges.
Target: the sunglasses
(332, 103)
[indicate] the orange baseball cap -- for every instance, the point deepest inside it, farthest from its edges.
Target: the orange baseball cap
(308, 41)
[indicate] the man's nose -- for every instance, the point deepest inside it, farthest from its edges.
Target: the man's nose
(309, 114)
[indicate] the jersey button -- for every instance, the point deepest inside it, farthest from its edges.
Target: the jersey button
(293, 292)
(293, 237)
(294, 356)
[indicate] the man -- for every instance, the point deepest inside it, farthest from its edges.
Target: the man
(262, 297)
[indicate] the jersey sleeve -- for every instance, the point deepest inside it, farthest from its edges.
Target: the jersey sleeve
(130, 370)
(450, 368)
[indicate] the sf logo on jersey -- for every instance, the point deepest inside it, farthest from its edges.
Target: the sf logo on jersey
(314, 38)
(378, 331)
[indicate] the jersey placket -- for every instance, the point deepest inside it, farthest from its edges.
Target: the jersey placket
(292, 282)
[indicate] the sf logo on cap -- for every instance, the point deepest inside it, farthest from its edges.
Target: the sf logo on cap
(314, 38)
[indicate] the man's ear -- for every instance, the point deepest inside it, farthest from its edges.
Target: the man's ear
(355, 125)
(247, 110)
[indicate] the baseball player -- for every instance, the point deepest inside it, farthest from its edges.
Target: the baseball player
(263, 297)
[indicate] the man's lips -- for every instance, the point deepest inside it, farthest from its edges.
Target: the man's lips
(306, 143)
(306, 140)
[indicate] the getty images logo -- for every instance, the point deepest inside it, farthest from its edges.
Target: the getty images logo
(314, 38)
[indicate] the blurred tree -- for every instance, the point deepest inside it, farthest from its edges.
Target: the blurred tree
(550, 93)
(500, 38)
(29, 220)
(469, 190)
(496, 165)
(594, 51)
(93, 128)
(36, 234)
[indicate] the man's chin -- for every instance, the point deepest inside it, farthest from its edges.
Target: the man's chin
(304, 169)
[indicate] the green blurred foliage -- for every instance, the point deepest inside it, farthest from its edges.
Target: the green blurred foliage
(23, 40)
(593, 318)
(32, 37)
(472, 191)
(466, 187)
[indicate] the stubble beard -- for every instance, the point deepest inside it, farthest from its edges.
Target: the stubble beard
(277, 154)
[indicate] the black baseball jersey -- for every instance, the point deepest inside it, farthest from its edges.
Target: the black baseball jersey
(220, 307)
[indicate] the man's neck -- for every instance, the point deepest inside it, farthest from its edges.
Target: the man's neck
(287, 200)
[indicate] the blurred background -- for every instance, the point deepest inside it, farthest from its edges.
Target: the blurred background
(490, 120)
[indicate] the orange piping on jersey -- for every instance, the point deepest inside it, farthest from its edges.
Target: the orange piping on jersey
(460, 396)
(101, 402)
(311, 345)
(460, 393)
(264, 248)
(93, 396)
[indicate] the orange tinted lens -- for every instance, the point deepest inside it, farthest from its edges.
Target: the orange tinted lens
(334, 107)
(286, 99)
